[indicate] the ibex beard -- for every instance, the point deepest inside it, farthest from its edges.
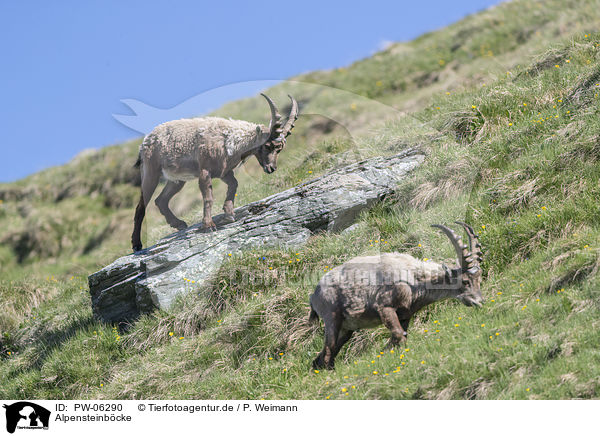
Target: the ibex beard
(202, 149)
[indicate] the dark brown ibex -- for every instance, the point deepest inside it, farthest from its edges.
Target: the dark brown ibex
(390, 288)
(204, 148)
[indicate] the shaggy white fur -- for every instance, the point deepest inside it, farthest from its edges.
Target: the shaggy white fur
(181, 138)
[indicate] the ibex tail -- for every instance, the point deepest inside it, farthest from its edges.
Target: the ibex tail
(138, 162)
(314, 316)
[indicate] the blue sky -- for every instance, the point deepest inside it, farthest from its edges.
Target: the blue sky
(65, 66)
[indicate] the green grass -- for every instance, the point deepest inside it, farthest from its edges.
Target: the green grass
(517, 157)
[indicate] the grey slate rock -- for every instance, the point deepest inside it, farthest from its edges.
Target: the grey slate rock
(154, 277)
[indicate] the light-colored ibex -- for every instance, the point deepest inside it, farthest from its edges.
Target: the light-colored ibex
(390, 288)
(204, 148)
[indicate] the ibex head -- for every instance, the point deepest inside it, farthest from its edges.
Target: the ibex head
(469, 260)
(273, 139)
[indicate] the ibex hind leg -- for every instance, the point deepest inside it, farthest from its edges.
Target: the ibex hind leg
(149, 183)
(326, 358)
(162, 202)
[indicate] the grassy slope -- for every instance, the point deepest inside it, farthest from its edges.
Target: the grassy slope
(513, 93)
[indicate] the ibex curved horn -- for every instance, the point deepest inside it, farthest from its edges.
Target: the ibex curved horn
(461, 250)
(474, 245)
(289, 124)
(275, 124)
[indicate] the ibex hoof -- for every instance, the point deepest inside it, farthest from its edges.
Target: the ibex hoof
(394, 342)
(318, 364)
(210, 227)
(179, 225)
(227, 219)
(137, 247)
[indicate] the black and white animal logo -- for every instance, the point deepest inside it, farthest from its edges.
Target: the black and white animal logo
(26, 415)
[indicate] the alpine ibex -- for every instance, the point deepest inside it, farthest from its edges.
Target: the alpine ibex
(390, 288)
(203, 148)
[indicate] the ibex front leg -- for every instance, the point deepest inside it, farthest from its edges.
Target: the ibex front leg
(390, 320)
(205, 183)
(232, 185)
(162, 202)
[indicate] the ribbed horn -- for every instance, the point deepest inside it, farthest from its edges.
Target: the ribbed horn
(474, 245)
(289, 124)
(459, 247)
(275, 124)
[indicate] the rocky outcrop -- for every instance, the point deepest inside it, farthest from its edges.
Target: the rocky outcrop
(152, 278)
